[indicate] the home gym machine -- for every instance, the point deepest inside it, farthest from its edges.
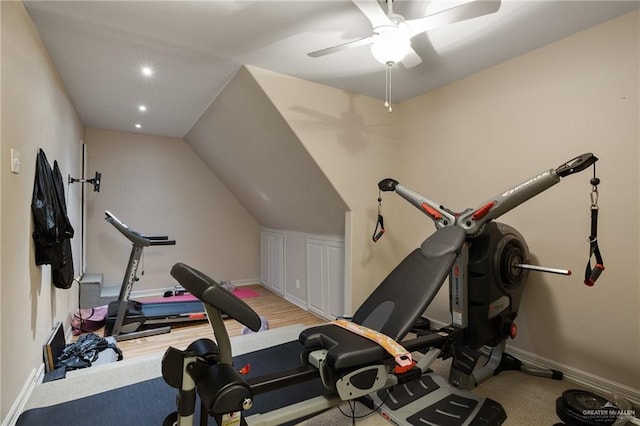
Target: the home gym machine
(128, 319)
(487, 264)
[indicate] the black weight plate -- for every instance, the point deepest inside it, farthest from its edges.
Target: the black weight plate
(582, 408)
(580, 400)
(570, 417)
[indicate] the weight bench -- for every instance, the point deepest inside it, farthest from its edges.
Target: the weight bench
(350, 366)
(392, 309)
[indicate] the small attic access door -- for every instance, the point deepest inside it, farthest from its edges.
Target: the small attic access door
(272, 260)
(325, 276)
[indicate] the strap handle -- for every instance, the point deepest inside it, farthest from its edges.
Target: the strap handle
(591, 274)
(379, 231)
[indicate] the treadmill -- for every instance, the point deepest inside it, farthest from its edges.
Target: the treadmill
(128, 319)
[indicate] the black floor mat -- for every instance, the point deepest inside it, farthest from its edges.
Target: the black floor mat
(149, 402)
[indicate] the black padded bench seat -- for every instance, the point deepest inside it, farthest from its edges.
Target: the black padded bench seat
(393, 308)
(345, 349)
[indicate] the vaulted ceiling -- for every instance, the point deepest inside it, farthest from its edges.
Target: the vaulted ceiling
(195, 47)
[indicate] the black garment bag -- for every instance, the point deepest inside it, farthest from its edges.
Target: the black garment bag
(52, 228)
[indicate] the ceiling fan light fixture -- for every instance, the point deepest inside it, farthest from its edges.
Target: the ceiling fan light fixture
(391, 43)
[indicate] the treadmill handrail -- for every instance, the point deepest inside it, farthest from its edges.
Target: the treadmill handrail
(162, 242)
(138, 239)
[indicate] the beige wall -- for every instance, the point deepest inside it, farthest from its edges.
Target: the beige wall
(352, 138)
(159, 186)
(243, 139)
(472, 139)
(36, 113)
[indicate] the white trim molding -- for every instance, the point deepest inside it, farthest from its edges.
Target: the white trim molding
(16, 409)
(597, 384)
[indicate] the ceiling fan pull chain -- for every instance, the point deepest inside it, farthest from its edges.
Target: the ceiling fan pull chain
(387, 95)
(386, 87)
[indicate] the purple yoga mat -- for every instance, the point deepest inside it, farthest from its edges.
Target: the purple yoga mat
(242, 293)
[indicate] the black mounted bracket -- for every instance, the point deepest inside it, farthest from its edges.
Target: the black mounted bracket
(95, 181)
(576, 165)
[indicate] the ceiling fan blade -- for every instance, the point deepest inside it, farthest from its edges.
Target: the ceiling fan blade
(373, 12)
(411, 59)
(459, 13)
(339, 47)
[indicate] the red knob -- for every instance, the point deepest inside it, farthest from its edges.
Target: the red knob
(513, 331)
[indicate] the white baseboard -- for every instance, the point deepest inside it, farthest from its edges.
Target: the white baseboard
(140, 294)
(249, 281)
(159, 292)
(33, 379)
(597, 384)
(296, 301)
(304, 305)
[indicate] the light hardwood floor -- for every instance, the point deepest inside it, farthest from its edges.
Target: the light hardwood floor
(278, 311)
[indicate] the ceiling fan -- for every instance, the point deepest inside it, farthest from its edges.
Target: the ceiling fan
(392, 34)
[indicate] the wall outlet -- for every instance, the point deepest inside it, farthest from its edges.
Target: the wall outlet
(297, 283)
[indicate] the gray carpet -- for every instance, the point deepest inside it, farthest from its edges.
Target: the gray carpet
(527, 400)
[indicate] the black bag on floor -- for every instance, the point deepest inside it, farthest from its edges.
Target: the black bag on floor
(84, 351)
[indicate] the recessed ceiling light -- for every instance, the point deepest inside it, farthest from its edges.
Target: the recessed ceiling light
(142, 108)
(138, 126)
(147, 71)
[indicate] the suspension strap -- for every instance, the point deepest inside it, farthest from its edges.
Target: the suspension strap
(591, 274)
(379, 231)
(401, 356)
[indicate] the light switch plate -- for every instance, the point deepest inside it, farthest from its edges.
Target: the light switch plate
(15, 161)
